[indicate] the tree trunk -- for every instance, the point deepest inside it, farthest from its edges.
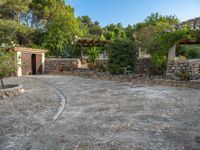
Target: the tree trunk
(2, 84)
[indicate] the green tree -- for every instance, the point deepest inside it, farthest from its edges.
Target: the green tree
(13, 32)
(12, 9)
(92, 29)
(129, 30)
(8, 65)
(154, 26)
(12, 29)
(45, 11)
(61, 31)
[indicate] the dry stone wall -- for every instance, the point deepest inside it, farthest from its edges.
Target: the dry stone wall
(142, 66)
(189, 67)
(61, 64)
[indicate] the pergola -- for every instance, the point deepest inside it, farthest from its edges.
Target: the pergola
(189, 42)
(90, 43)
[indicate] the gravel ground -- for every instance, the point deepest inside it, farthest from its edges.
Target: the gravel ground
(71, 113)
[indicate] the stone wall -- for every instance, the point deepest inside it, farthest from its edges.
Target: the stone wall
(190, 68)
(61, 64)
(11, 91)
(53, 65)
(102, 65)
(143, 65)
(102, 62)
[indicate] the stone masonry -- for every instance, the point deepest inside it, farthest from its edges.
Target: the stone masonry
(61, 64)
(191, 67)
(143, 65)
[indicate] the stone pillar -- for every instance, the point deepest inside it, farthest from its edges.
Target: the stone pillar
(171, 60)
(43, 63)
(172, 53)
(19, 63)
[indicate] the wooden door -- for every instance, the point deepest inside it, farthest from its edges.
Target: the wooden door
(39, 64)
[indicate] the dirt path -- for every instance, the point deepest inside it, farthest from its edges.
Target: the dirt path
(99, 115)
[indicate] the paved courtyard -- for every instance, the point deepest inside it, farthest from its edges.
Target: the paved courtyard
(72, 113)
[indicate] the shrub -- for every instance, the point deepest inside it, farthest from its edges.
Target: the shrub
(93, 54)
(189, 51)
(8, 64)
(122, 56)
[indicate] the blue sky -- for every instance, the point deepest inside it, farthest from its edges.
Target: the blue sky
(134, 11)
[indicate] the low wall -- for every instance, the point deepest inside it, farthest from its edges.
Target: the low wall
(66, 64)
(101, 62)
(61, 64)
(189, 67)
(11, 91)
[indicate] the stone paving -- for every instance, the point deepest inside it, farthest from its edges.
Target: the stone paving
(72, 113)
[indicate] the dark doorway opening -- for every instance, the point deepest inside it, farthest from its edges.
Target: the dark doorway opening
(33, 63)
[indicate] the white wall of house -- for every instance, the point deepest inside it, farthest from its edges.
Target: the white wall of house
(43, 63)
(19, 63)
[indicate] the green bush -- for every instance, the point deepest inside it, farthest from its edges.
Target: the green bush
(189, 51)
(8, 64)
(122, 56)
(93, 54)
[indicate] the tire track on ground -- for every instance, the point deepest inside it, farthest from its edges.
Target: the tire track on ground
(63, 101)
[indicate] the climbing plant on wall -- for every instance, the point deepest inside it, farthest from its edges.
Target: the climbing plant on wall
(163, 43)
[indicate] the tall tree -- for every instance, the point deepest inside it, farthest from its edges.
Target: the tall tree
(11, 9)
(11, 28)
(92, 29)
(112, 32)
(154, 26)
(61, 30)
(44, 11)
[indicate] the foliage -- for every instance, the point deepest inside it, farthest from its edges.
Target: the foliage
(93, 54)
(161, 46)
(154, 26)
(11, 31)
(45, 11)
(12, 9)
(7, 29)
(122, 56)
(112, 32)
(61, 31)
(7, 64)
(11, 28)
(91, 29)
(189, 51)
